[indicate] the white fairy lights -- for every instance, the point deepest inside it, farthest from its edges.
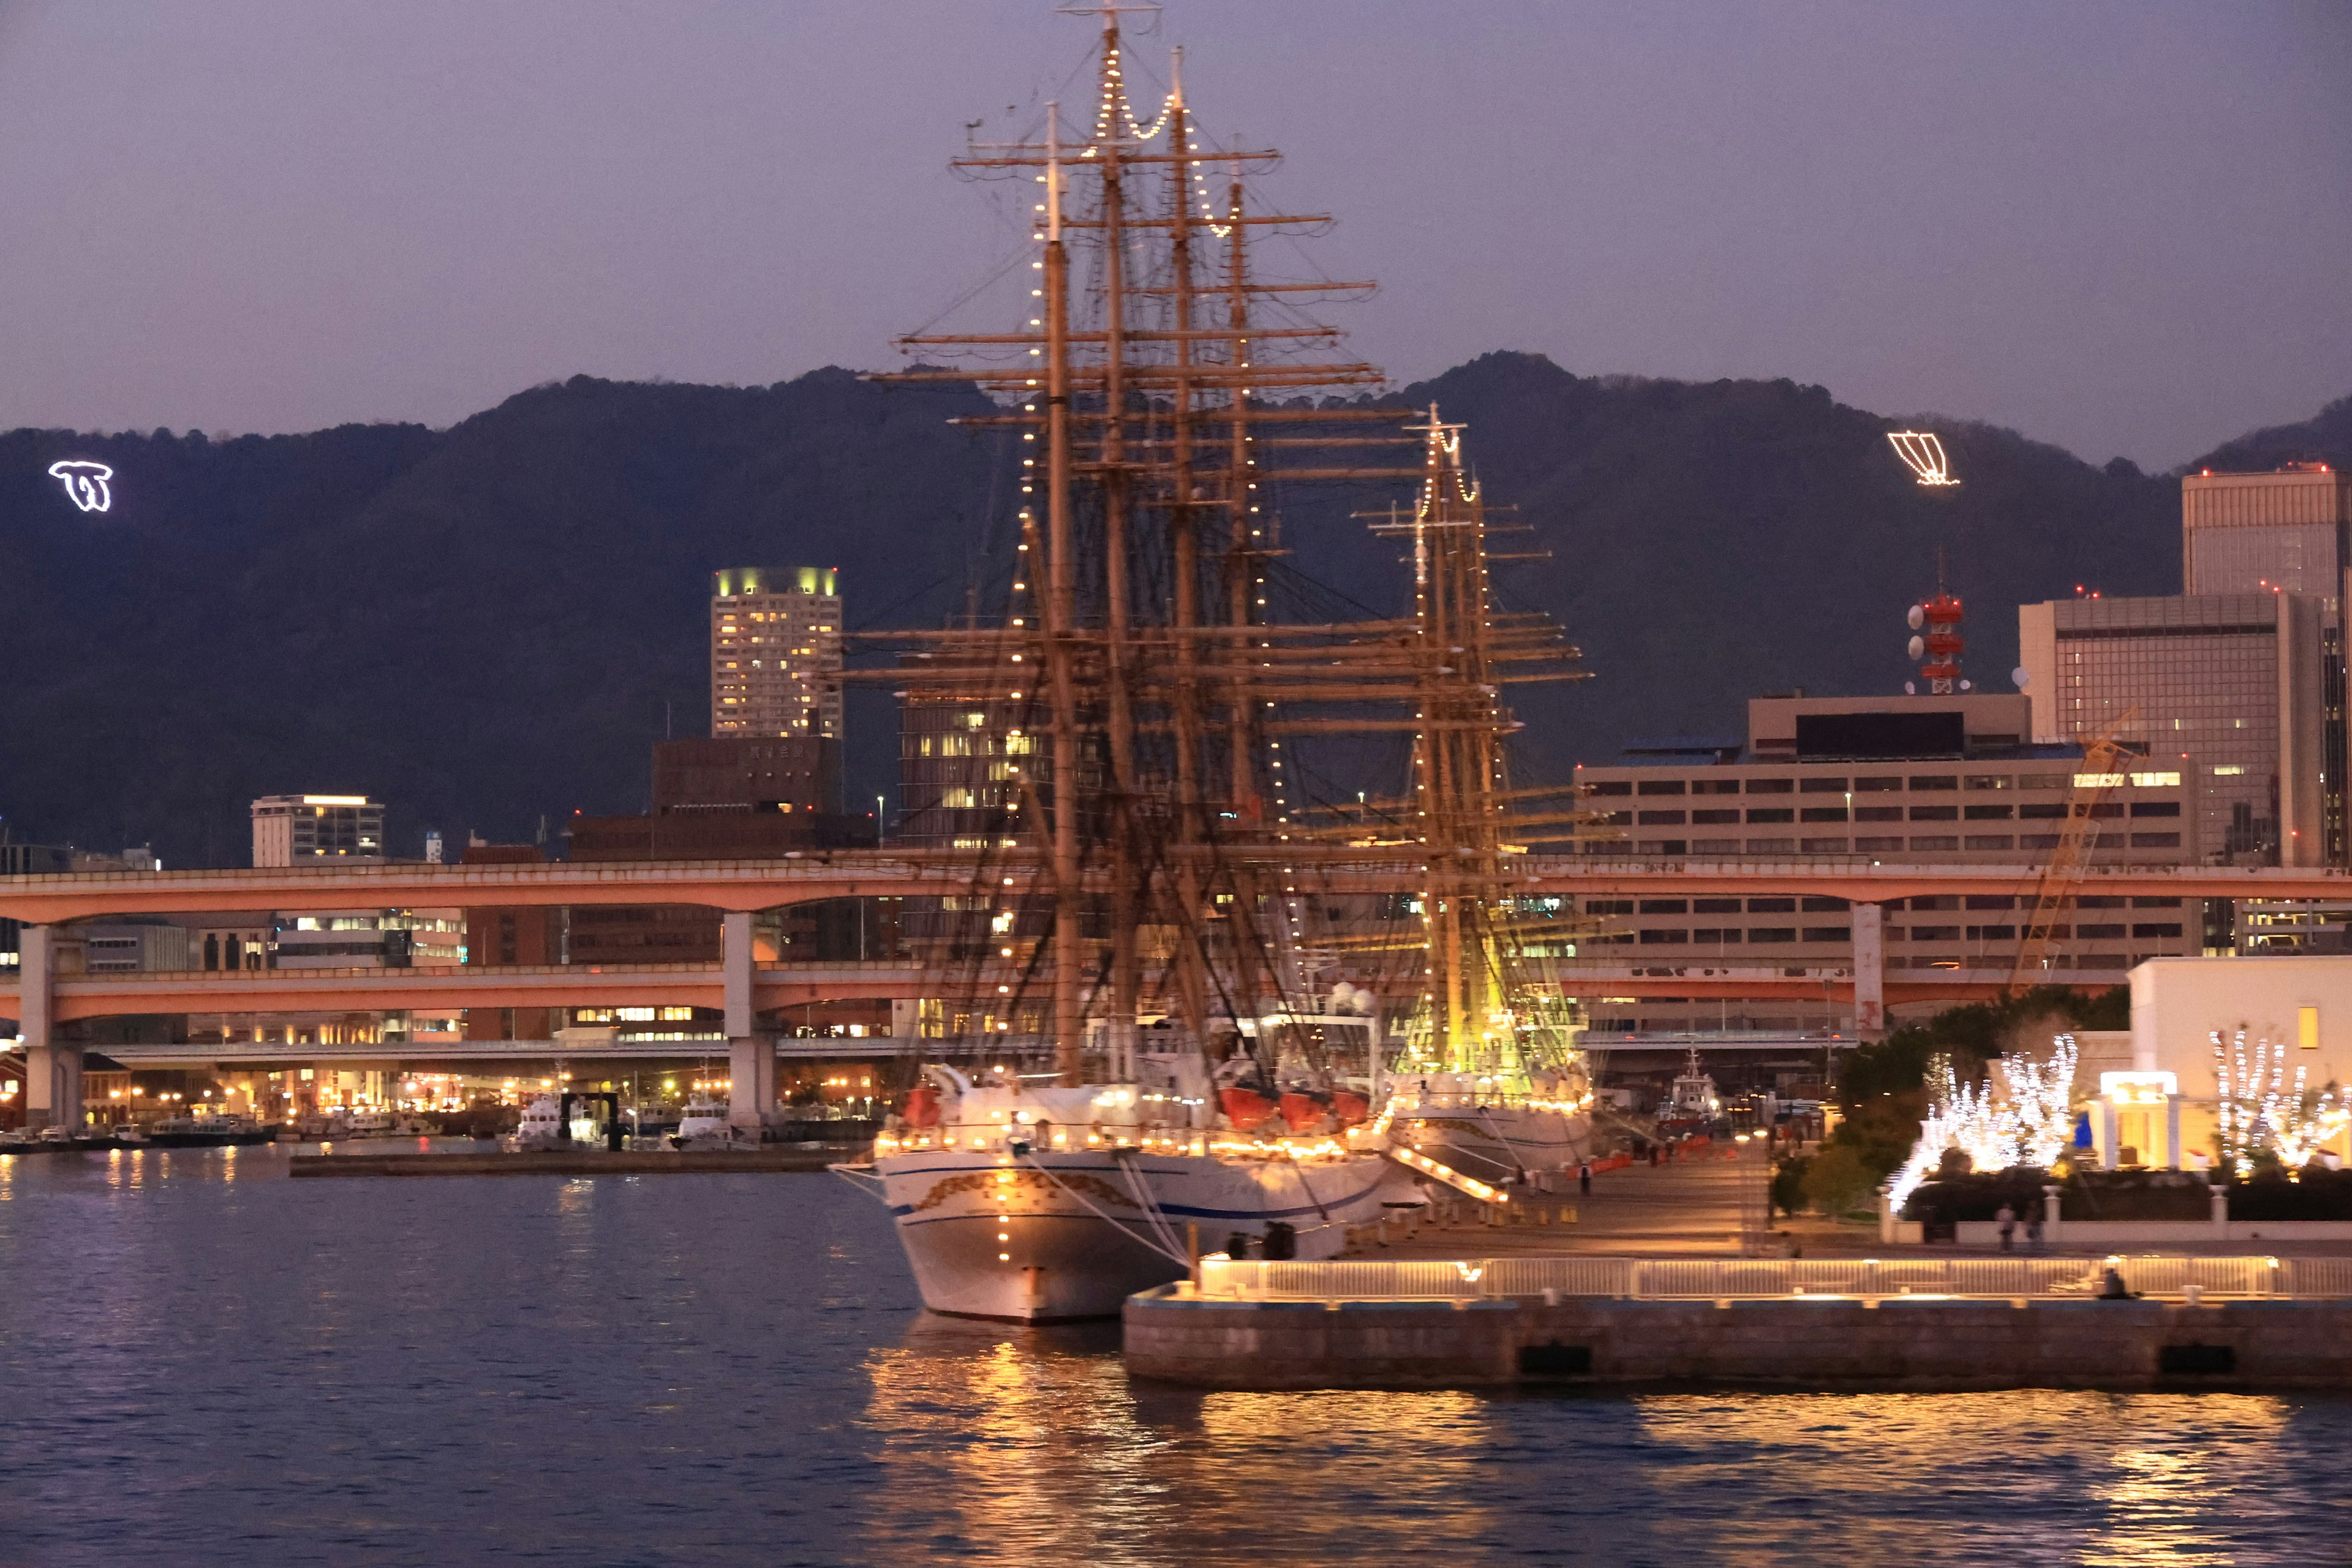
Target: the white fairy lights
(2256, 1112)
(2032, 1127)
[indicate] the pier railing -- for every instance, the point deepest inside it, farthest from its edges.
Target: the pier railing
(1719, 1278)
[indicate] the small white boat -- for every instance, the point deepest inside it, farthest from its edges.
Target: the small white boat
(1692, 1099)
(705, 1126)
(541, 1126)
(370, 1123)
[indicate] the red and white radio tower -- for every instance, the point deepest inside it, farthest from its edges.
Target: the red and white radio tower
(1937, 643)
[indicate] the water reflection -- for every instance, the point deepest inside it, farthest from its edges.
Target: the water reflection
(2031, 1476)
(731, 1370)
(1032, 1444)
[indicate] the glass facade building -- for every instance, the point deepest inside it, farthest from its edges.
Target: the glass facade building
(2228, 686)
(2291, 531)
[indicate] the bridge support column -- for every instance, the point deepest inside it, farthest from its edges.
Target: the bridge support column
(1869, 971)
(752, 1060)
(52, 1071)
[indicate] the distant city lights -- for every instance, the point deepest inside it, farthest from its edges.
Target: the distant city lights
(85, 483)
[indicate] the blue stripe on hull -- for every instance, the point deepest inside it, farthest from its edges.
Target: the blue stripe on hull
(1181, 1210)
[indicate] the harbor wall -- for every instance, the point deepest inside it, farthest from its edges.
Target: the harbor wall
(1810, 1342)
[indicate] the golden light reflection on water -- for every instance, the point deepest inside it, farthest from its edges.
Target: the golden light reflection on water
(2170, 1496)
(2029, 1476)
(1032, 1444)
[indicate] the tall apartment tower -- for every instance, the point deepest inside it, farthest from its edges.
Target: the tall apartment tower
(305, 829)
(2286, 531)
(775, 653)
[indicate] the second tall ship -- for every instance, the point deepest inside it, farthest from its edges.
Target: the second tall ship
(1195, 996)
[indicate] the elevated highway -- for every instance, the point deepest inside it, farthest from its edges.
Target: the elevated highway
(40, 998)
(752, 885)
(74, 997)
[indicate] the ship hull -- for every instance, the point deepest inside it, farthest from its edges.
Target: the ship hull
(1063, 1237)
(1497, 1142)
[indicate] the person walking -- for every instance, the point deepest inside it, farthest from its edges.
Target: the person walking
(2007, 1220)
(1584, 1178)
(2034, 1225)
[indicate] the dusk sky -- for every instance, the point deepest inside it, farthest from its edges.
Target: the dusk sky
(2122, 227)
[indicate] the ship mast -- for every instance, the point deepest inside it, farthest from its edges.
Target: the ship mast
(1163, 679)
(1061, 619)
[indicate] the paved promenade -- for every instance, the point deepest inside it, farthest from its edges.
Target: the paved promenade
(1690, 1209)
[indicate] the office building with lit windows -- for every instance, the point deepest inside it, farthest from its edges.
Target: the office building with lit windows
(2226, 686)
(775, 652)
(299, 830)
(1930, 780)
(2290, 531)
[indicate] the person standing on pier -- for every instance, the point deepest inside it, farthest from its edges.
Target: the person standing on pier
(2007, 1219)
(1584, 1178)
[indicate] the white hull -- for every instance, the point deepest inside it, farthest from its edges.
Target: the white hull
(1496, 1142)
(1047, 1237)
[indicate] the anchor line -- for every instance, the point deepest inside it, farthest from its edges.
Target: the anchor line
(1503, 1138)
(1300, 1172)
(1133, 1167)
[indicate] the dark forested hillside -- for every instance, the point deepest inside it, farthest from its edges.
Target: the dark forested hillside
(2326, 437)
(488, 623)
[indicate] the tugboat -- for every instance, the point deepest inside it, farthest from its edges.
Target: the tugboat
(1692, 1104)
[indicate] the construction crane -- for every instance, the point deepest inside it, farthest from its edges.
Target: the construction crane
(2063, 873)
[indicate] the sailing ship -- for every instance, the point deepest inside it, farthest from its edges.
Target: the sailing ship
(1148, 907)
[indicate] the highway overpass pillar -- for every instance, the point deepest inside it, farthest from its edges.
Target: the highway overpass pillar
(1869, 971)
(52, 1071)
(752, 1060)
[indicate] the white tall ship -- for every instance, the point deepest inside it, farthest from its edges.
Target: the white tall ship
(1162, 1024)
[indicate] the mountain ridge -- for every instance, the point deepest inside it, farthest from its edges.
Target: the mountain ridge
(491, 623)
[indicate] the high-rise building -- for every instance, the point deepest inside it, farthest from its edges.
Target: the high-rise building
(775, 652)
(2229, 685)
(2254, 534)
(300, 829)
(2291, 531)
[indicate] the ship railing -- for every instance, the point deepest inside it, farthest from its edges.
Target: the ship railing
(2163, 1277)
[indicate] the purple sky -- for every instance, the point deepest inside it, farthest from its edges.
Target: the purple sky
(2124, 227)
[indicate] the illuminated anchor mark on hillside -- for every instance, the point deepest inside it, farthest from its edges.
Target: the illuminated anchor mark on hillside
(85, 483)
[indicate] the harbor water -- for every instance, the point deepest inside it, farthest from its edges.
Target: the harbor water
(201, 1362)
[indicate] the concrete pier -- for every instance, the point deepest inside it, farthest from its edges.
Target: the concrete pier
(1908, 1342)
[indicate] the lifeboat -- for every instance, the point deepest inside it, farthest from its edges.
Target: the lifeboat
(1245, 1108)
